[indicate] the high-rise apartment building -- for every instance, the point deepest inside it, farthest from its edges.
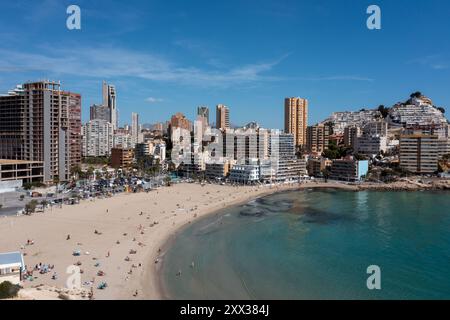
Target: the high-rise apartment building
(109, 100)
(135, 131)
(419, 153)
(222, 117)
(100, 112)
(74, 132)
(351, 135)
(179, 120)
(122, 139)
(317, 138)
(296, 119)
(97, 138)
(40, 122)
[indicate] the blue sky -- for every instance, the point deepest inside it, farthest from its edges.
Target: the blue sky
(168, 56)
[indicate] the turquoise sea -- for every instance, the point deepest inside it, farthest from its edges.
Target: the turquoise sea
(316, 244)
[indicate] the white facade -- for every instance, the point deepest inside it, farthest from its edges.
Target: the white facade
(136, 128)
(419, 111)
(97, 138)
(347, 118)
(160, 151)
(123, 140)
(11, 267)
(245, 173)
(371, 145)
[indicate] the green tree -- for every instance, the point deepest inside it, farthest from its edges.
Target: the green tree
(383, 110)
(336, 152)
(30, 207)
(76, 171)
(89, 171)
(8, 290)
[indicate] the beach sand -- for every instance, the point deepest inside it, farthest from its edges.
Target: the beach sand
(143, 222)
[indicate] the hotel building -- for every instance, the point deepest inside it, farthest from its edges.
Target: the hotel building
(245, 174)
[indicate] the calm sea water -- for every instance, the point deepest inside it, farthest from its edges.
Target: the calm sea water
(316, 245)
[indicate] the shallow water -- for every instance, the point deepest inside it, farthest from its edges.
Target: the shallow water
(316, 245)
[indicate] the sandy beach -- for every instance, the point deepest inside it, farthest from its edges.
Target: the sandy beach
(107, 231)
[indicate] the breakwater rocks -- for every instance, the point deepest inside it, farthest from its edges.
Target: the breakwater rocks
(407, 186)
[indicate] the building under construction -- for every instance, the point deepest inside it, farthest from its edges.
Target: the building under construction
(40, 122)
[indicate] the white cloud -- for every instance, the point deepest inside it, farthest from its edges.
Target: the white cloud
(109, 62)
(433, 61)
(113, 63)
(340, 78)
(153, 100)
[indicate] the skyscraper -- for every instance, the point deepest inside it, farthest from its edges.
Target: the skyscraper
(74, 129)
(109, 100)
(203, 112)
(100, 112)
(97, 138)
(135, 127)
(296, 119)
(39, 122)
(222, 117)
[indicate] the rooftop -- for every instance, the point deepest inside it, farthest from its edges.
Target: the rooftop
(11, 258)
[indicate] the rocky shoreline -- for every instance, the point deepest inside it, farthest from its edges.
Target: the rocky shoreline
(407, 186)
